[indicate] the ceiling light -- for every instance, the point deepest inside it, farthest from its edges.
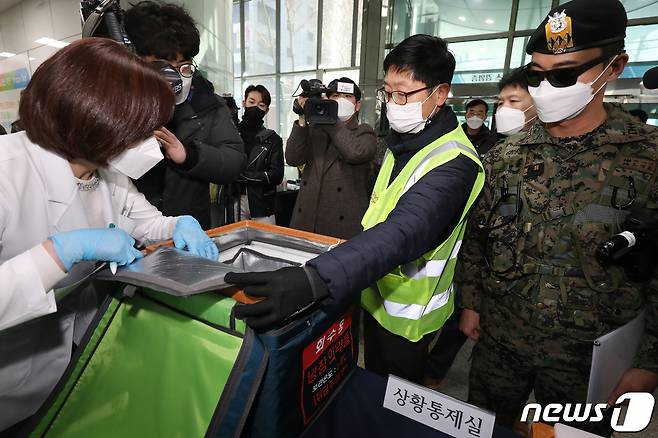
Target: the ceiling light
(461, 18)
(7, 54)
(489, 21)
(51, 42)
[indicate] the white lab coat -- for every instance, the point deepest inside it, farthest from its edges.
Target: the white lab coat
(38, 198)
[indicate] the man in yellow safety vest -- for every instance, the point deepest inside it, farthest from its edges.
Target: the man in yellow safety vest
(403, 263)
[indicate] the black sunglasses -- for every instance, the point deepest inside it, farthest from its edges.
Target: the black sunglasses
(560, 77)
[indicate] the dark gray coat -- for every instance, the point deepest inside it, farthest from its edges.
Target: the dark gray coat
(334, 192)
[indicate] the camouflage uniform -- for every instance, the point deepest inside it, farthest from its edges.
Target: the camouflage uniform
(543, 297)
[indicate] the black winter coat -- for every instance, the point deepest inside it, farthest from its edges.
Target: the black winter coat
(263, 173)
(215, 154)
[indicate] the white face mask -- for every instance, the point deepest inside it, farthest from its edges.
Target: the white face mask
(182, 97)
(511, 120)
(474, 122)
(346, 109)
(136, 161)
(558, 104)
(407, 119)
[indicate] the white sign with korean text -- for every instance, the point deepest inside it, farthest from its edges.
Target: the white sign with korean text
(345, 87)
(438, 411)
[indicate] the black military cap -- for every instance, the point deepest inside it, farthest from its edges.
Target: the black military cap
(345, 85)
(579, 25)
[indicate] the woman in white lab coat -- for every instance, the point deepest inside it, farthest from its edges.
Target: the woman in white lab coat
(89, 114)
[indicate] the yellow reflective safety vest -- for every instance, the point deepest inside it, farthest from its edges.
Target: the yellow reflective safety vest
(418, 297)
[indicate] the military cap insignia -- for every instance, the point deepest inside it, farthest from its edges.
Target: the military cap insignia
(559, 34)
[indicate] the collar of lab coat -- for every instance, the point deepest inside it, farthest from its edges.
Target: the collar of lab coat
(65, 208)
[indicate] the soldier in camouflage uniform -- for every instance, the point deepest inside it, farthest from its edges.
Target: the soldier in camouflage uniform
(552, 196)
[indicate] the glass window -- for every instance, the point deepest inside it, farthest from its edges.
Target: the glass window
(299, 19)
(329, 76)
(637, 8)
(260, 36)
(237, 58)
(289, 84)
(337, 19)
(640, 8)
(532, 13)
(519, 56)
(449, 18)
(479, 61)
(358, 33)
(237, 91)
(642, 43)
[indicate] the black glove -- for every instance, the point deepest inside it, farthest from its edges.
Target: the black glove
(285, 290)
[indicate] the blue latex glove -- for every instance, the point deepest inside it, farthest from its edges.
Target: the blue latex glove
(188, 233)
(97, 244)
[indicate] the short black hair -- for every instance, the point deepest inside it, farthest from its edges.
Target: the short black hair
(425, 57)
(515, 78)
(333, 86)
(640, 114)
(265, 95)
(476, 102)
(162, 30)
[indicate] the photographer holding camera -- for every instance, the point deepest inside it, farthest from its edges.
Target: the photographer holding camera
(334, 195)
(202, 142)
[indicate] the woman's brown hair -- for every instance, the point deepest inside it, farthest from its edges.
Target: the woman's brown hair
(92, 100)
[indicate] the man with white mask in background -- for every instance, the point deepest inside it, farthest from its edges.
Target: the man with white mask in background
(516, 110)
(478, 133)
(334, 192)
(203, 144)
(535, 290)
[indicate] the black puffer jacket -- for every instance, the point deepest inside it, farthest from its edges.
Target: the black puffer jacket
(215, 154)
(264, 171)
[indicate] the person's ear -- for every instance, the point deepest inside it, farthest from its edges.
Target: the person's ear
(357, 107)
(617, 67)
(441, 94)
(243, 105)
(267, 110)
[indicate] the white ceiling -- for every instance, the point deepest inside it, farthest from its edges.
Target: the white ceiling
(6, 4)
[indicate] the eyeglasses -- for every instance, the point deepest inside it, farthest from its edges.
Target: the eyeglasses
(399, 97)
(186, 69)
(560, 77)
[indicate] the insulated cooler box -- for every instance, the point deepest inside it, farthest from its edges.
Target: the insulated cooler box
(165, 356)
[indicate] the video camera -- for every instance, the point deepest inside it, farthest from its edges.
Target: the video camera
(103, 18)
(318, 109)
(633, 248)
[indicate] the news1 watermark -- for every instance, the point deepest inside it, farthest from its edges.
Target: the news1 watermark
(638, 412)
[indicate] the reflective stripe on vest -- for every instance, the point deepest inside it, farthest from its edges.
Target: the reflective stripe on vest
(416, 311)
(418, 297)
(430, 268)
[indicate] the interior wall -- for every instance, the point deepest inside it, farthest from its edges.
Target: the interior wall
(29, 20)
(20, 26)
